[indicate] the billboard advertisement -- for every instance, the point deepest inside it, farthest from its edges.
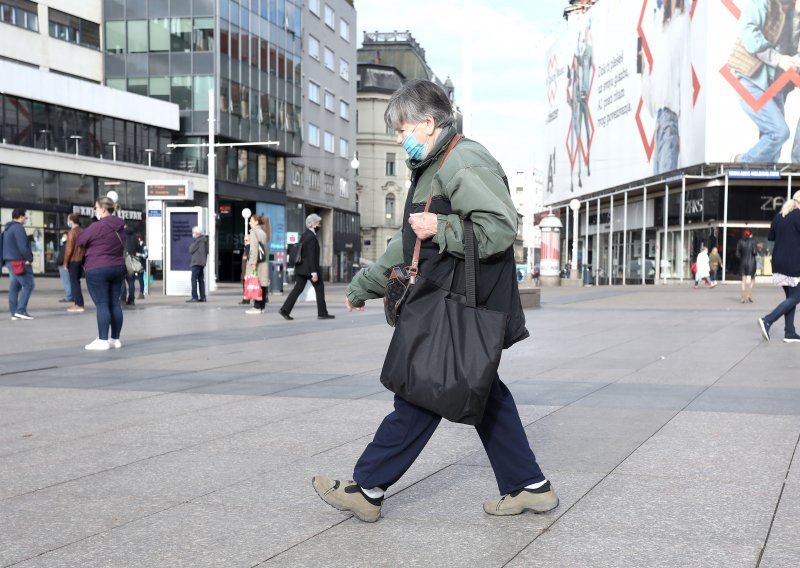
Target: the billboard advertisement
(640, 88)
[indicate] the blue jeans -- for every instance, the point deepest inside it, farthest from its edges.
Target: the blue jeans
(772, 128)
(403, 434)
(20, 289)
(65, 282)
(75, 271)
(667, 142)
(198, 282)
(786, 309)
(104, 286)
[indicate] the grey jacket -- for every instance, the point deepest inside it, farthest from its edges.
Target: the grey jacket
(199, 251)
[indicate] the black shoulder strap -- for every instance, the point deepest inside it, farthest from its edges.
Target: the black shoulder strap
(472, 266)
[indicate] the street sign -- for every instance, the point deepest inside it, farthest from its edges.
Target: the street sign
(168, 190)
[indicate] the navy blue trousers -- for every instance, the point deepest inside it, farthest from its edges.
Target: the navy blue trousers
(403, 434)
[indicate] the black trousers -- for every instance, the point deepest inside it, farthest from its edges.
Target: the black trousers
(198, 282)
(299, 286)
(75, 270)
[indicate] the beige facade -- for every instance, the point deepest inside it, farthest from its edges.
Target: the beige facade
(382, 176)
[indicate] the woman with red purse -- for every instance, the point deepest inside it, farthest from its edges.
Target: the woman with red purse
(257, 263)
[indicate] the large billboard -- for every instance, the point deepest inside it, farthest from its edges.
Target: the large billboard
(637, 88)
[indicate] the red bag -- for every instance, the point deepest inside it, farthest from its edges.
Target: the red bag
(694, 268)
(18, 267)
(252, 288)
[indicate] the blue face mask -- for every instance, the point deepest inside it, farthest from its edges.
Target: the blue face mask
(414, 148)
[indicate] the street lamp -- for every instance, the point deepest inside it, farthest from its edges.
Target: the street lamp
(575, 205)
(212, 207)
(354, 163)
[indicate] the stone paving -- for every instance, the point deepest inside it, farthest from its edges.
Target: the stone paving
(668, 427)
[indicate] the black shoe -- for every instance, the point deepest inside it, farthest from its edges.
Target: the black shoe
(63, 301)
(246, 302)
(326, 317)
(140, 297)
(285, 315)
(191, 301)
(129, 303)
(201, 300)
(764, 326)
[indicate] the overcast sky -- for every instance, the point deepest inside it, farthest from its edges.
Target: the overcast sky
(507, 41)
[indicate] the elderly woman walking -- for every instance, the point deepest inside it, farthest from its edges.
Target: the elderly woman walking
(785, 231)
(469, 185)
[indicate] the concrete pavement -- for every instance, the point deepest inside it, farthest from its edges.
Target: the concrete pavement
(668, 427)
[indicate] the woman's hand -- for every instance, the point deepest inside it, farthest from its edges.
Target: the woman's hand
(424, 225)
(350, 307)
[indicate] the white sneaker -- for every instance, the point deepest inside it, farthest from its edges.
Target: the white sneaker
(254, 311)
(115, 343)
(98, 345)
(23, 316)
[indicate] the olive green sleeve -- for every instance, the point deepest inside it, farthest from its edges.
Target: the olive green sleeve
(370, 282)
(478, 193)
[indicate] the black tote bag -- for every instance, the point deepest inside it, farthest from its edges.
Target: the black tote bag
(445, 349)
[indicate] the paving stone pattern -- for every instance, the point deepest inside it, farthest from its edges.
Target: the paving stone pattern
(668, 427)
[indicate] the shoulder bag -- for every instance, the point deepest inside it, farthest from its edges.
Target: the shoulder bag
(132, 263)
(445, 349)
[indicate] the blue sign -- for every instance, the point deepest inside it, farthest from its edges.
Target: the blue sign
(181, 239)
(277, 222)
(154, 212)
(754, 174)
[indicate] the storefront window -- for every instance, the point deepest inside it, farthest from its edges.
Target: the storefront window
(75, 189)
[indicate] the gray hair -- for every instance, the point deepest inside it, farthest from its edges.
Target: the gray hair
(312, 220)
(196, 230)
(791, 204)
(416, 100)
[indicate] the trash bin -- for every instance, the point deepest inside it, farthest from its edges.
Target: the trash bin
(275, 276)
(587, 276)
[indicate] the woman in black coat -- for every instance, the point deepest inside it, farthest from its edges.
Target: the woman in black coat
(785, 231)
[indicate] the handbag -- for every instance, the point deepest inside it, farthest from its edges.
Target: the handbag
(445, 349)
(400, 276)
(132, 264)
(262, 254)
(18, 267)
(252, 288)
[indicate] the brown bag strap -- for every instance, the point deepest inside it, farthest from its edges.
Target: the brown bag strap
(414, 269)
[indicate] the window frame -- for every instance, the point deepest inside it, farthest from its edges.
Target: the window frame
(330, 98)
(329, 16)
(344, 105)
(344, 29)
(313, 135)
(329, 142)
(313, 87)
(313, 53)
(329, 61)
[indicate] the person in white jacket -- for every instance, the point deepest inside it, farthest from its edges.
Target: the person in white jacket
(703, 268)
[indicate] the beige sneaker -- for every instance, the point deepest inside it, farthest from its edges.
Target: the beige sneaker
(347, 496)
(538, 500)
(254, 311)
(76, 309)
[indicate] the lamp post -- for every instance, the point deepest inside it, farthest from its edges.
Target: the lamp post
(575, 206)
(212, 207)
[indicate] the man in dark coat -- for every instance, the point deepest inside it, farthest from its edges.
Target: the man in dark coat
(16, 248)
(199, 251)
(308, 269)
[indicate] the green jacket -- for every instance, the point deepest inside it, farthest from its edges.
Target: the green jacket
(474, 184)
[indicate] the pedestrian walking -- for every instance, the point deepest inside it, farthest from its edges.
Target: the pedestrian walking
(245, 253)
(17, 255)
(785, 231)
(715, 263)
(703, 272)
(128, 290)
(746, 253)
(258, 259)
(141, 253)
(103, 243)
(199, 253)
(63, 272)
(470, 184)
(308, 269)
(73, 261)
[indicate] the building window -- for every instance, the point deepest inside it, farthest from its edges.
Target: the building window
(137, 36)
(181, 35)
(329, 184)
(203, 34)
(344, 69)
(389, 207)
(297, 176)
(73, 29)
(328, 59)
(344, 109)
(344, 148)
(330, 18)
(313, 135)
(20, 13)
(329, 98)
(313, 92)
(115, 37)
(329, 142)
(390, 165)
(344, 189)
(313, 47)
(313, 179)
(313, 7)
(344, 30)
